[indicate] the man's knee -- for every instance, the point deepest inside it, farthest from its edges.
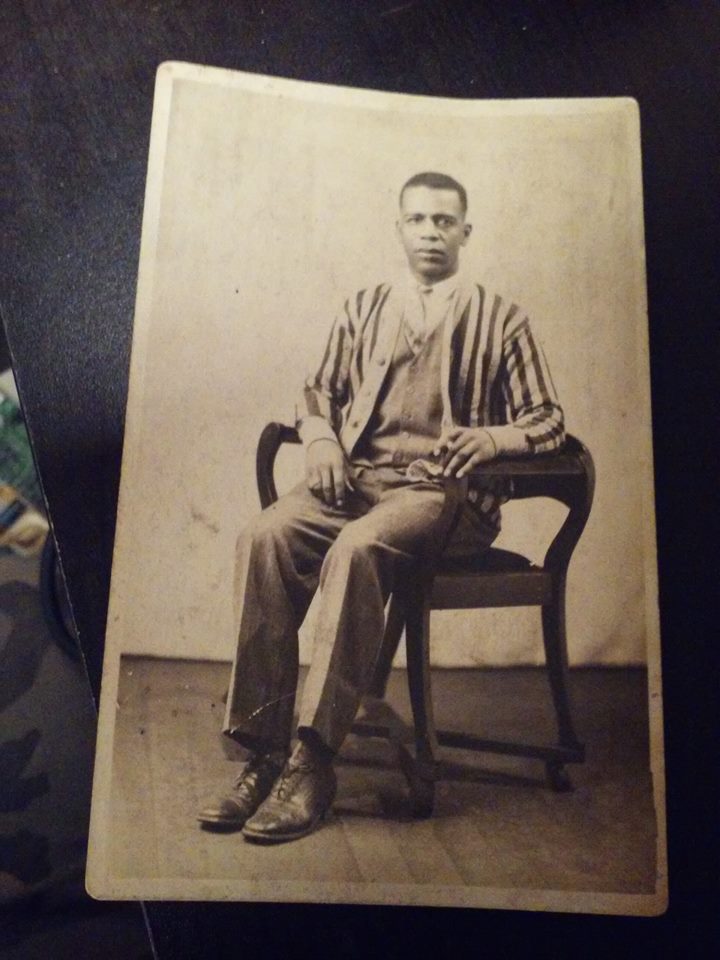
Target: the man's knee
(266, 530)
(356, 542)
(366, 542)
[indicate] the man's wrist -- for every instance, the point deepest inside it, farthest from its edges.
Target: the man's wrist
(317, 439)
(492, 441)
(315, 428)
(509, 440)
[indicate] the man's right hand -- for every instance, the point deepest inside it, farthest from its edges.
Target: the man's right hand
(326, 471)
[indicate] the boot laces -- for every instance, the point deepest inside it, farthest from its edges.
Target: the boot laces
(253, 765)
(287, 779)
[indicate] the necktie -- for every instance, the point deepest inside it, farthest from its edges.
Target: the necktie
(417, 315)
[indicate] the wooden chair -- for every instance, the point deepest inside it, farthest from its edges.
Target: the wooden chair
(496, 578)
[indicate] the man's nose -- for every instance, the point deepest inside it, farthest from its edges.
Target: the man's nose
(429, 229)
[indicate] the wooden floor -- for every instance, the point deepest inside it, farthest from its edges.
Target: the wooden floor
(503, 828)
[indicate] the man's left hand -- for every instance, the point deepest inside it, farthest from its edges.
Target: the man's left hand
(463, 448)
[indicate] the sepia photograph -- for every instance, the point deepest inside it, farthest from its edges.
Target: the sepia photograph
(383, 620)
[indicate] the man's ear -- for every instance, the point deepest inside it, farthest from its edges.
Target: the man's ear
(467, 230)
(397, 230)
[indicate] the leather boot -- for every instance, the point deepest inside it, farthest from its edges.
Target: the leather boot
(249, 790)
(299, 800)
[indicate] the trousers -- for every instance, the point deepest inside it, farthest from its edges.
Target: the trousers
(353, 554)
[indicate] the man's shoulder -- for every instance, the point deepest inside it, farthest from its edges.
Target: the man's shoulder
(472, 285)
(490, 294)
(471, 289)
(371, 288)
(368, 298)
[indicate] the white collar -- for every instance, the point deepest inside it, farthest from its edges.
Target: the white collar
(442, 290)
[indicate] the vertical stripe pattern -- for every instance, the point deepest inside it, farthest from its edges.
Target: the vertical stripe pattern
(496, 371)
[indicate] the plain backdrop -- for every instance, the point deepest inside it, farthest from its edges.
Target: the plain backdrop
(268, 202)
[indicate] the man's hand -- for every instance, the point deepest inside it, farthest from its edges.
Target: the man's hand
(462, 448)
(326, 471)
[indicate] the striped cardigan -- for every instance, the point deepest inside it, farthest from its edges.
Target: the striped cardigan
(493, 371)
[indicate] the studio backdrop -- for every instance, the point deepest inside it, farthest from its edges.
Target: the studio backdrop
(269, 202)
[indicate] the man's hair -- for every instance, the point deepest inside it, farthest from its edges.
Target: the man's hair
(437, 181)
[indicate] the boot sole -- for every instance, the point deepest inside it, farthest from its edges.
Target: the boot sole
(270, 838)
(220, 826)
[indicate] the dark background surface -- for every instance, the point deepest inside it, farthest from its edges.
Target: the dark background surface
(77, 86)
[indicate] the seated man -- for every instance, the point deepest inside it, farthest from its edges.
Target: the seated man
(420, 380)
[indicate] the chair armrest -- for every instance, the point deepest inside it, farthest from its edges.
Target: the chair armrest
(539, 465)
(274, 435)
(567, 475)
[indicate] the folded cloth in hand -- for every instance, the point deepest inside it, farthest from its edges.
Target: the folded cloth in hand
(424, 470)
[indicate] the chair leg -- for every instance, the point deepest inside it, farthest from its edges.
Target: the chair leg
(390, 642)
(417, 638)
(555, 642)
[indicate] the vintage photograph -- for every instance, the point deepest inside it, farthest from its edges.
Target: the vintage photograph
(383, 622)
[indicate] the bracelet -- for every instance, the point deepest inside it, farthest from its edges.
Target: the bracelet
(492, 439)
(315, 440)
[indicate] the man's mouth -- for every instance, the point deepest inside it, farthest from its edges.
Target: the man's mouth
(432, 254)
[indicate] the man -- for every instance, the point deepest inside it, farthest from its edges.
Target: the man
(420, 380)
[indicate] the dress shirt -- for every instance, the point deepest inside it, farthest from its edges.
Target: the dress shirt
(426, 306)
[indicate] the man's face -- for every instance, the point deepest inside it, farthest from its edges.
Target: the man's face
(432, 229)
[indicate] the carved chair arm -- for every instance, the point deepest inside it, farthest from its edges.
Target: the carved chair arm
(567, 475)
(274, 435)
